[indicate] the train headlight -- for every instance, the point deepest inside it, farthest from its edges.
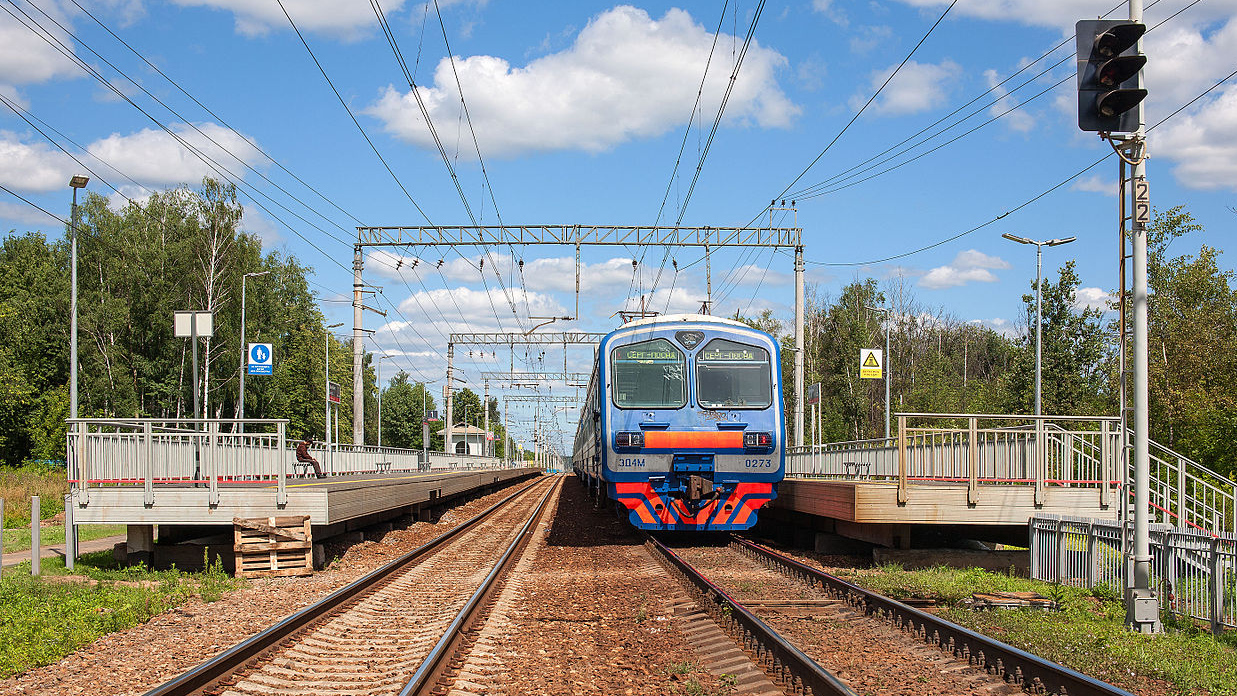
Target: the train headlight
(629, 440)
(758, 441)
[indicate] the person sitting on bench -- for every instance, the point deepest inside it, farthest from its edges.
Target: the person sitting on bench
(302, 455)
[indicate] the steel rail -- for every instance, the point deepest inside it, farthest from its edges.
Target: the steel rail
(425, 679)
(198, 679)
(1031, 672)
(788, 665)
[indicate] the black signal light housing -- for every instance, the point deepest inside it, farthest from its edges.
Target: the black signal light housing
(1109, 65)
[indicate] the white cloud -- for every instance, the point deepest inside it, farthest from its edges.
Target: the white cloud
(967, 267)
(556, 274)
(154, 157)
(1187, 55)
(830, 9)
(20, 212)
(1204, 144)
(868, 38)
(254, 222)
(751, 275)
(1091, 298)
(346, 20)
(625, 77)
(1096, 184)
(25, 58)
(917, 87)
(1017, 119)
(1002, 326)
(32, 166)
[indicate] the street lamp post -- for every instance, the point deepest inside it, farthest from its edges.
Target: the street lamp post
(75, 183)
(245, 346)
(888, 367)
(1039, 317)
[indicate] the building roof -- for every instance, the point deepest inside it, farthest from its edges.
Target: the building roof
(460, 429)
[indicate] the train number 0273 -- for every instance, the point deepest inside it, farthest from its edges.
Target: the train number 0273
(759, 463)
(631, 461)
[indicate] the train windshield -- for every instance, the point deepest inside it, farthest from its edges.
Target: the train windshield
(733, 375)
(649, 374)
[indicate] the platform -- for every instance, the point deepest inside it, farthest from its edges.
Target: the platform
(869, 510)
(327, 501)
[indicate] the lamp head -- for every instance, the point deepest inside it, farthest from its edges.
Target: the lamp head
(79, 181)
(256, 274)
(1058, 242)
(1016, 238)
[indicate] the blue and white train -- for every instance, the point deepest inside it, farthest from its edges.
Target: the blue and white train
(683, 426)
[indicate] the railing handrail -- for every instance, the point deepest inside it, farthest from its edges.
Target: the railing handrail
(1181, 457)
(1006, 416)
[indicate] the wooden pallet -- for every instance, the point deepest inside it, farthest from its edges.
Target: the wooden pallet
(273, 546)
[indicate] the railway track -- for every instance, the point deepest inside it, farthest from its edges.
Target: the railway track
(815, 633)
(394, 631)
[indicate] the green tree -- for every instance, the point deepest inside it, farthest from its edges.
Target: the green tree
(1078, 357)
(404, 405)
(1192, 317)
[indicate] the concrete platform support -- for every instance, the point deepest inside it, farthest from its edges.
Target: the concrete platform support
(140, 543)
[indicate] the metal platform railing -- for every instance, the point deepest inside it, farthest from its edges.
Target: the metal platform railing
(157, 454)
(1195, 571)
(991, 450)
(1049, 451)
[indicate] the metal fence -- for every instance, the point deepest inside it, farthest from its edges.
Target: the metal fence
(1195, 572)
(153, 453)
(990, 450)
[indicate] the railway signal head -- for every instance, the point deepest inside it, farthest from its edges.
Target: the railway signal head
(1108, 75)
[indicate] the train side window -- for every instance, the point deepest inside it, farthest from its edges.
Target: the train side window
(733, 375)
(649, 374)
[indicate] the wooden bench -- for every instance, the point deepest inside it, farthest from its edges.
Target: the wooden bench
(382, 466)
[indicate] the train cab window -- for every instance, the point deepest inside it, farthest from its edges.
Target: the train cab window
(649, 374)
(733, 375)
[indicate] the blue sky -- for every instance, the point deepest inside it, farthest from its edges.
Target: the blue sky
(579, 110)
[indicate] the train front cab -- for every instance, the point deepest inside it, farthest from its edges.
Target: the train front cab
(693, 431)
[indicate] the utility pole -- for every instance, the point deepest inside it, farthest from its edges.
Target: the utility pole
(799, 352)
(358, 352)
(1142, 609)
(485, 406)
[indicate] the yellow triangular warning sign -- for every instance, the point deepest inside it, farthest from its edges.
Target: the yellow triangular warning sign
(871, 361)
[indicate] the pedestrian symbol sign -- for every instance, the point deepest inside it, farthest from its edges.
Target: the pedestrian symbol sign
(260, 361)
(870, 363)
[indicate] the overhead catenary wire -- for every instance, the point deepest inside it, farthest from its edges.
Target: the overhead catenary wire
(866, 104)
(446, 159)
(708, 144)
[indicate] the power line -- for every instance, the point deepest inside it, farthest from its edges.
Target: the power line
(868, 103)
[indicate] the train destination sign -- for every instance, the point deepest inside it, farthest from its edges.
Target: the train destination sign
(659, 351)
(730, 355)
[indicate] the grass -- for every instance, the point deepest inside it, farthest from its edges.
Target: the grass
(43, 620)
(1087, 634)
(18, 539)
(17, 485)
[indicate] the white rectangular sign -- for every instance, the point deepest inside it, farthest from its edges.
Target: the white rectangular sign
(182, 324)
